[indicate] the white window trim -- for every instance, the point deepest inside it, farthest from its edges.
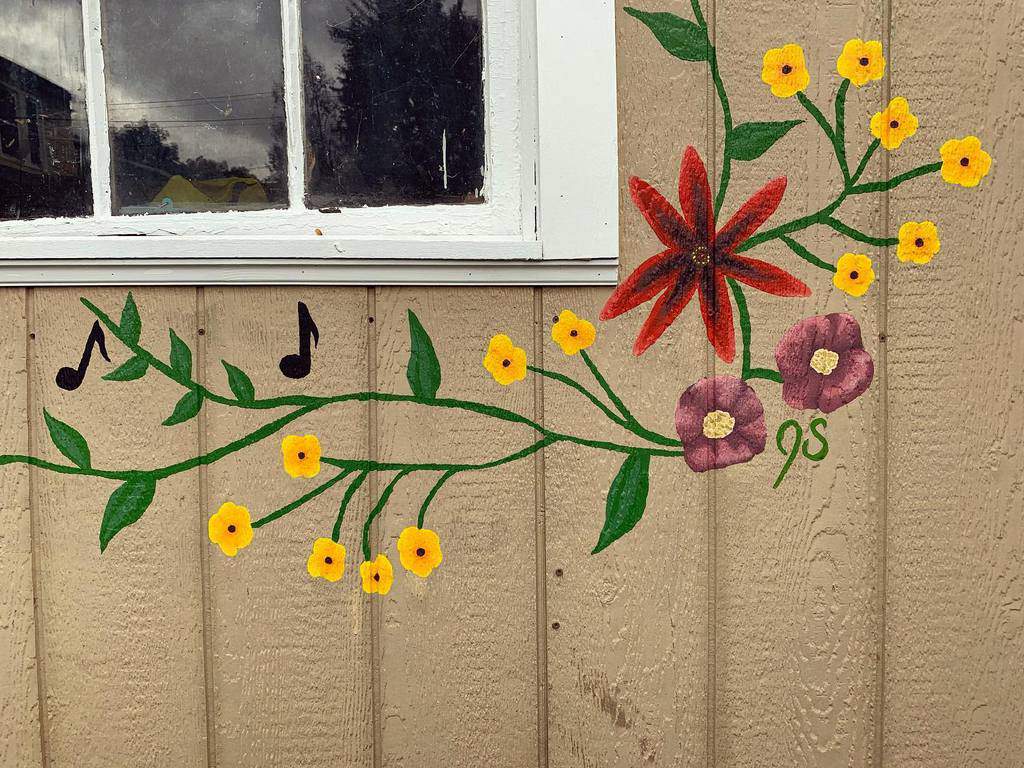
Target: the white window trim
(551, 210)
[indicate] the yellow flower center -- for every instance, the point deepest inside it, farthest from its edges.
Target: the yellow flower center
(965, 161)
(824, 361)
(231, 528)
(786, 69)
(302, 455)
(420, 552)
(701, 255)
(718, 424)
(864, 61)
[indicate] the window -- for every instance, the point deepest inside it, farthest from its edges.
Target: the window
(355, 141)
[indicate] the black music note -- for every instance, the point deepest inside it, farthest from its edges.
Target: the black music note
(70, 379)
(297, 366)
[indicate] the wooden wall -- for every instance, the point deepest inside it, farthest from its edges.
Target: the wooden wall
(869, 612)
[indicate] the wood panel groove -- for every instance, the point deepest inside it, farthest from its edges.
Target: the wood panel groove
(376, 641)
(540, 545)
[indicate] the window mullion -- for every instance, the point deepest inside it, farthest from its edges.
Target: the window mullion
(96, 105)
(292, 46)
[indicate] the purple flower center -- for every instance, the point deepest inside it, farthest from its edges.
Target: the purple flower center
(824, 361)
(718, 425)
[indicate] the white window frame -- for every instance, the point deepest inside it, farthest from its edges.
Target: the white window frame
(551, 181)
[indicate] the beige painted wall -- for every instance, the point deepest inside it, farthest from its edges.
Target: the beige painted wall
(870, 612)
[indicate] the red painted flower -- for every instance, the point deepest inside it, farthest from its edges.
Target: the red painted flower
(697, 260)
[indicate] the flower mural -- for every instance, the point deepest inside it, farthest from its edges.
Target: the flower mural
(720, 422)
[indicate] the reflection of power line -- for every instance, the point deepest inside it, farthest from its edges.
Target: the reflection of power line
(192, 98)
(266, 119)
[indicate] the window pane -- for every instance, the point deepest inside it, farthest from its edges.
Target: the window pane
(44, 151)
(394, 102)
(196, 111)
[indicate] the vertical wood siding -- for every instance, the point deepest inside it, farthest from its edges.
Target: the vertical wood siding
(867, 613)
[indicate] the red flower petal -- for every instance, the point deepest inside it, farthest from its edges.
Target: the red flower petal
(647, 280)
(763, 276)
(695, 196)
(666, 310)
(755, 212)
(665, 220)
(716, 309)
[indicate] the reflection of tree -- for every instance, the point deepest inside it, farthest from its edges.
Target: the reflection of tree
(144, 159)
(409, 75)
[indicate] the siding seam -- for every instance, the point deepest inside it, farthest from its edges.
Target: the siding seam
(376, 643)
(540, 545)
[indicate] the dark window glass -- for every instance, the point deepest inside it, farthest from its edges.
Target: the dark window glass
(44, 152)
(196, 107)
(394, 103)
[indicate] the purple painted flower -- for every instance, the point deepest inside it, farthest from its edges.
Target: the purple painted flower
(823, 363)
(720, 422)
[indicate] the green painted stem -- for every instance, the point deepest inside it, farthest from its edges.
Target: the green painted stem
(603, 383)
(895, 181)
(573, 384)
(863, 165)
(378, 507)
(421, 517)
(840, 133)
(806, 255)
(723, 98)
(697, 13)
(345, 501)
(302, 500)
(856, 234)
(745, 333)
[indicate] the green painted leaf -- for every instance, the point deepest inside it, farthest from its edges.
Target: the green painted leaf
(681, 37)
(68, 441)
(424, 371)
(186, 408)
(181, 357)
(125, 506)
(134, 368)
(131, 323)
(241, 385)
(751, 140)
(627, 499)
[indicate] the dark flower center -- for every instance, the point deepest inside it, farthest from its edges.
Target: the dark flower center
(894, 124)
(506, 363)
(787, 69)
(301, 455)
(376, 577)
(864, 61)
(231, 528)
(701, 256)
(420, 552)
(574, 333)
(965, 161)
(328, 560)
(554, 319)
(919, 242)
(854, 275)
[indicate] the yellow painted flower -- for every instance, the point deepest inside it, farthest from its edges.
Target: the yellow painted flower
(894, 124)
(327, 560)
(419, 549)
(854, 274)
(572, 333)
(378, 575)
(505, 361)
(301, 455)
(919, 242)
(230, 528)
(964, 162)
(861, 62)
(785, 70)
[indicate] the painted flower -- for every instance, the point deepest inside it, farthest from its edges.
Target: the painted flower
(230, 528)
(697, 260)
(377, 575)
(919, 242)
(505, 361)
(894, 124)
(327, 560)
(572, 333)
(861, 62)
(854, 274)
(720, 421)
(823, 363)
(964, 162)
(785, 70)
(301, 455)
(419, 550)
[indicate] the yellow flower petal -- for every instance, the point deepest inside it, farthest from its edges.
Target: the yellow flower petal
(854, 274)
(964, 162)
(919, 242)
(419, 550)
(861, 62)
(377, 575)
(572, 333)
(327, 560)
(301, 455)
(230, 528)
(505, 361)
(894, 124)
(785, 70)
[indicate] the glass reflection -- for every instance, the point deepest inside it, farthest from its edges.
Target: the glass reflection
(195, 103)
(44, 151)
(394, 102)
